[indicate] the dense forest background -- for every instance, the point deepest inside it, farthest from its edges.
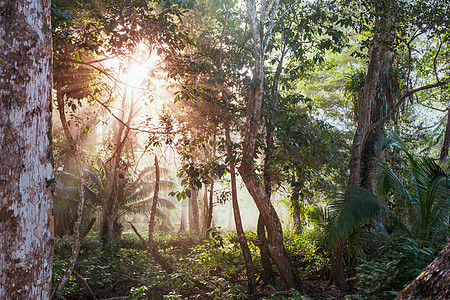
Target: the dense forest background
(279, 149)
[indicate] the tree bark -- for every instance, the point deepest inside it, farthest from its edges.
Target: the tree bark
(26, 175)
(193, 210)
(433, 282)
(445, 146)
(237, 216)
(247, 167)
(184, 213)
(377, 54)
(267, 273)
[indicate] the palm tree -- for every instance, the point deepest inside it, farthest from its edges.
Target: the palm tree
(135, 193)
(421, 200)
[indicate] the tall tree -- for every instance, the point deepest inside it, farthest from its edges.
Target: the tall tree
(261, 35)
(26, 175)
(394, 27)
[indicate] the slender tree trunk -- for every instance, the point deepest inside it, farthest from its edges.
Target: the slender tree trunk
(205, 210)
(247, 167)
(120, 142)
(193, 210)
(184, 213)
(445, 146)
(151, 223)
(211, 185)
(151, 226)
(76, 230)
(267, 273)
(237, 216)
(26, 175)
(296, 213)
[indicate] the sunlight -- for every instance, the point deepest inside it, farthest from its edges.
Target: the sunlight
(135, 74)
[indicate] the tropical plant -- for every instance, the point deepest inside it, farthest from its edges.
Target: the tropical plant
(418, 203)
(423, 197)
(135, 192)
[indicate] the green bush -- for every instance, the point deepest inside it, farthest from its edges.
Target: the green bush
(308, 250)
(399, 262)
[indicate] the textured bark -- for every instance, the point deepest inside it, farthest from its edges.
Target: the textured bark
(26, 176)
(445, 146)
(377, 56)
(247, 169)
(237, 216)
(205, 210)
(337, 277)
(364, 116)
(267, 273)
(433, 282)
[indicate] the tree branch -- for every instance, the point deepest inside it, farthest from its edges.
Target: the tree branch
(402, 98)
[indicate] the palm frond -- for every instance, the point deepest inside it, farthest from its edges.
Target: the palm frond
(394, 140)
(355, 208)
(317, 214)
(95, 178)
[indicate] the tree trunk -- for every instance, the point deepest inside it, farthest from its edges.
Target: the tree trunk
(80, 182)
(237, 216)
(445, 146)
(433, 282)
(296, 209)
(151, 247)
(205, 211)
(184, 213)
(267, 273)
(337, 277)
(120, 142)
(210, 205)
(247, 167)
(193, 210)
(377, 54)
(26, 175)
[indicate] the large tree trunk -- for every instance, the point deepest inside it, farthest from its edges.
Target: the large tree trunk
(433, 282)
(26, 175)
(377, 55)
(237, 216)
(247, 168)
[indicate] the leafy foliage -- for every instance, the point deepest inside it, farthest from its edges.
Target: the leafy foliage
(400, 261)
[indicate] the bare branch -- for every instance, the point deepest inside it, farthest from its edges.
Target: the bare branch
(404, 97)
(434, 61)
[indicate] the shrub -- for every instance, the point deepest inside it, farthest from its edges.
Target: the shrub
(308, 250)
(401, 260)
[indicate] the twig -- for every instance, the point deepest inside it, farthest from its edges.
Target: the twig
(84, 282)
